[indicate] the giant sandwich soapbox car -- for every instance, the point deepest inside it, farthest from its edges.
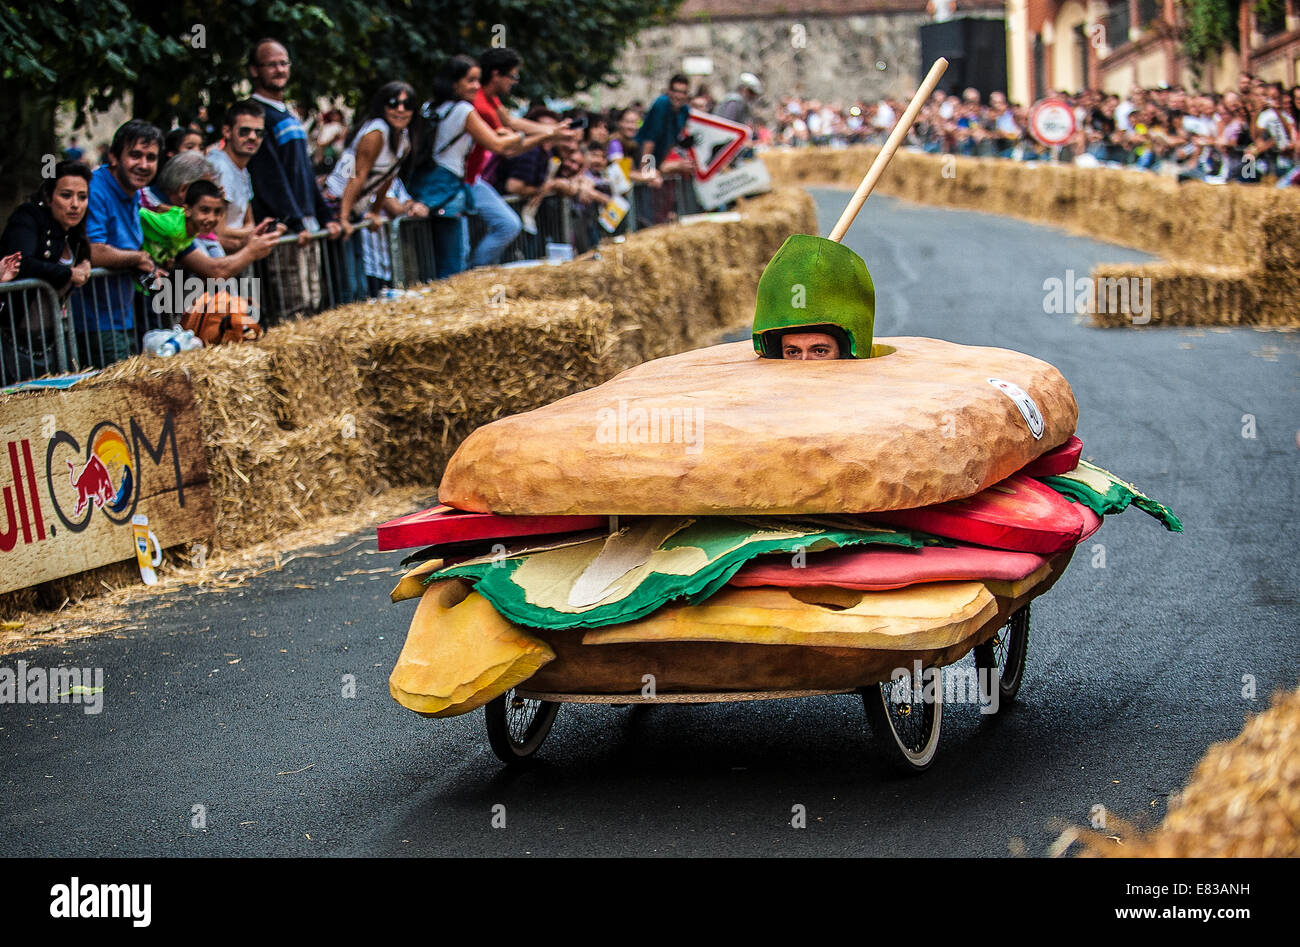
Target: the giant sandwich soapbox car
(750, 521)
(719, 525)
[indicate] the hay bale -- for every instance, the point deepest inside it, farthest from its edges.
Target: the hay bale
(311, 373)
(1243, 800)
(437, 375)
(1281, 243)
(1183, 294)
(292, 477)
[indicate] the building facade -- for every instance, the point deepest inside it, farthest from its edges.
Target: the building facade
(1115, 45)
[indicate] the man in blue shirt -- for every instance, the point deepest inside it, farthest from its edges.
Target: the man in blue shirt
(663, 124)
(103, 311)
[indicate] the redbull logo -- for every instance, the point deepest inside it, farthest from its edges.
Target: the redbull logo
(77, 466)
(92, 484)
(108, 479)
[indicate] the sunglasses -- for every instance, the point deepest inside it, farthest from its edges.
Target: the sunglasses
(250, 132)
(403, 103)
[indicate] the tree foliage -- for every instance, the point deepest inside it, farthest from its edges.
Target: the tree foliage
(1213, 25)
(172, 57)
(1210, 25)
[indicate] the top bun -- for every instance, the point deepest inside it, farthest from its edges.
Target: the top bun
(720, 431)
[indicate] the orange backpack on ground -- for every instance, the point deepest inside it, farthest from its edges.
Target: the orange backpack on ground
(222, 317)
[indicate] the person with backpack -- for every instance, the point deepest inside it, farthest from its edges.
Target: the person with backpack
(450, 126)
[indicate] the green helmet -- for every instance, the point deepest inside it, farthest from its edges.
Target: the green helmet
(816, 285)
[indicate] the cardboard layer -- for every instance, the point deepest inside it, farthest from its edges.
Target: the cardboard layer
(721, 431)
(460, 654)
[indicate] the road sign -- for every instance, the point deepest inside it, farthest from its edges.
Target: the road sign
(746, 178)
(1051, 122)
(715, 142)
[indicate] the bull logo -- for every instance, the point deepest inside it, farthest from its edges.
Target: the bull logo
(92, 484)
(106, 481)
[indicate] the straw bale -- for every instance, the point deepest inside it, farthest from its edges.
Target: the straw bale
(438, 376)
(312, 373)
(1243, 799)
(291, 476)
(1185, 294)
(1281, 243)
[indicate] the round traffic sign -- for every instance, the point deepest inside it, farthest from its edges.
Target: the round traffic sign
(1051, 122)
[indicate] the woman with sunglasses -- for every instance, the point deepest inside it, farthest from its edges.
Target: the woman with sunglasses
(365, 171)
(379, 142)
(450, 127)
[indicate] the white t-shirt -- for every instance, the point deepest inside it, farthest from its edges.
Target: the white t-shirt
(1123, 112)
(1272, 123)
(1198, 125)
(236, 182)
(449, 146)
(347, 164)
(375, 251)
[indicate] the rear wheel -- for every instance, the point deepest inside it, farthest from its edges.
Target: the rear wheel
(517, 726)
(905, 714)
(1005, 652)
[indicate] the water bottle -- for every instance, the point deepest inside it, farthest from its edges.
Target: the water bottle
(161, 342)
(188, 341)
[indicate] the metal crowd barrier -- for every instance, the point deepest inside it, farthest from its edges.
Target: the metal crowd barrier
(34, 331)
(105, 319)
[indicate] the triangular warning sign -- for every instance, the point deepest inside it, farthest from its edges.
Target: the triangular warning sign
(714, 142)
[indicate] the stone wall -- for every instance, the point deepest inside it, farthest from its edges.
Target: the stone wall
(837, 58)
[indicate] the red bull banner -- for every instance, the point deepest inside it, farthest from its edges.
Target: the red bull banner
(77, 465)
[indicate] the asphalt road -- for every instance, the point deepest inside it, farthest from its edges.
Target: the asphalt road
(232, 701)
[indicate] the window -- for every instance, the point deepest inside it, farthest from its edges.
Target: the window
(1270, 18)
(1117, 24)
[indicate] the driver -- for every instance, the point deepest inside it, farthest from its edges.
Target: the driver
(816, 301)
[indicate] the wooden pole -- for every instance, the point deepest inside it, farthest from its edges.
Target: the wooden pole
(895, 139)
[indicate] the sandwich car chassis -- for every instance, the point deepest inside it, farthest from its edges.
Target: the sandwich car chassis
(905, 715)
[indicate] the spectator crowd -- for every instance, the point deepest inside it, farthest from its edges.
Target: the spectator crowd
(307, 198)
(1247, 135)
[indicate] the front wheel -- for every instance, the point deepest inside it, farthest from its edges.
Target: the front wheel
(905, 714)
(517, 726)
(1002, 657)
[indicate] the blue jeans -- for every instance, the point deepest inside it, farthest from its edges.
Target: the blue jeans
(502, 223)
(448, 246)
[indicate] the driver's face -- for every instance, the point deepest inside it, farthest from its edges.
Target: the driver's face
(809, 346)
